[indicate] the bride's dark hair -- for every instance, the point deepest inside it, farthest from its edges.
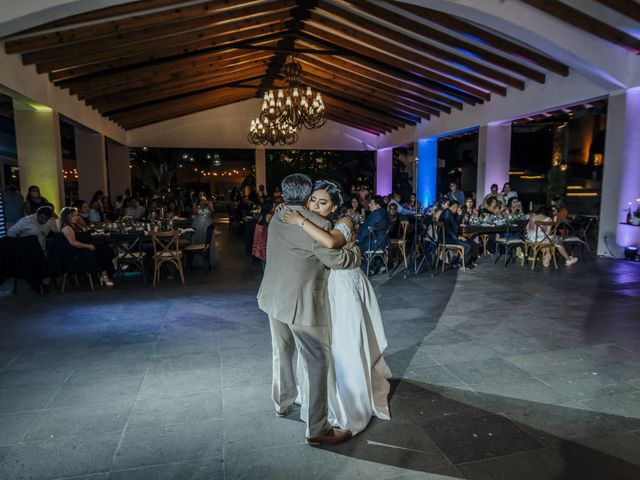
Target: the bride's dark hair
(334, 189)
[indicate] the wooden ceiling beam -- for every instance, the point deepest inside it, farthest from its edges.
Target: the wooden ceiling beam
(452, 41)
(454, 63)
(390, 64)
(625, 7)
(373, 83)
(170, 108)
(177, 53)
(94, 15)
(119, 25)
(363, 101)
(365, 115)
(108, 103)
(342, 119)
(155, 47)
(353, 39)
(368, 71)
(470, 30)
(348, 86)
(585, 22)
(92, 73)
(121, 82)
(153, 37)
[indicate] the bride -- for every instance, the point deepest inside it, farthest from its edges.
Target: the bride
(357, 340)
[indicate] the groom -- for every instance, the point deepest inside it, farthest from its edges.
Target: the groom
(294, 295)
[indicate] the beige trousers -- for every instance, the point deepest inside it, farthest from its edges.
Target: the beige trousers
(313, 347)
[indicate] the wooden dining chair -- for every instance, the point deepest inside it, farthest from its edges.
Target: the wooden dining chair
(545, 242)
(400, 243)
(443, 249)
(166, 249)
(127, 249)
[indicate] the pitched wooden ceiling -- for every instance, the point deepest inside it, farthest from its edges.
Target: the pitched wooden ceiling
(379, 66)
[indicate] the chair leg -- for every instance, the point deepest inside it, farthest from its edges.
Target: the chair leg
(180, 271)
(535, 256)
(90, 281)
(75, 277)
(464, 267)
(64, 281)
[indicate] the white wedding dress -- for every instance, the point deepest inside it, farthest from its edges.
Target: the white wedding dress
(358, 380)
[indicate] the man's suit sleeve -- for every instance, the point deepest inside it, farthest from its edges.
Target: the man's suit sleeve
(338, 259)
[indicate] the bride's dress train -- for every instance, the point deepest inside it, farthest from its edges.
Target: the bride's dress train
(358, 379)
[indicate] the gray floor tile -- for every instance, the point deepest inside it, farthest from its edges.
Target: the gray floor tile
(41, 460)
(80, 421)
(158, 444)
(26, 398)
(181, 382)
(246, 400)
(492, 370)
(35, 376)
(119, 390)
(207, 469)
(247, 374)
(178, 363)
(167, 410)
(14, 426)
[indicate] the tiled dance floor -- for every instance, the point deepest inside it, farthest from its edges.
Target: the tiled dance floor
(499, 374)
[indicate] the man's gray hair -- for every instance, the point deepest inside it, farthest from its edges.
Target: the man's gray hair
(296, 189)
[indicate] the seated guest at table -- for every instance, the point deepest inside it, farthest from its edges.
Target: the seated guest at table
(492, 206)
(469, 210)
(108, 210)
(155, 208)
(119, 204)
(493, 193)
(245, 207)
(455, 194)
(172, 210)
(13, 204)
(39, 224)
(262, 192)
(83, 211)
(514, 207)
(34, 200)
(534, 235)
(96, 214)
(395, 200)
(413, 203)
(507, 193)
(452, 233)
(277, 194)
(356, 212)
(378, 219)
(134, 209)
(394, 222)
(94, 258)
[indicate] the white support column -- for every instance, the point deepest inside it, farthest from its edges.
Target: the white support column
(39, 151)
(494, 157)
(261, 167)
(621, 174)
(92, 164)
(118, 168)
(384, 171)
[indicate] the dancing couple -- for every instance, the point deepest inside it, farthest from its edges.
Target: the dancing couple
(322, 307)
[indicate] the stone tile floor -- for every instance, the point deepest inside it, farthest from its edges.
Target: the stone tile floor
(499, 373)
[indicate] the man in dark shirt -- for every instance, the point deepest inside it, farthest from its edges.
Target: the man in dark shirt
(378, 219)
(452, 233)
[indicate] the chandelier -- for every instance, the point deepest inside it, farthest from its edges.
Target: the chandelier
(291, 109)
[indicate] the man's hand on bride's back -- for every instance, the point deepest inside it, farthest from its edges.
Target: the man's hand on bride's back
(291, 217)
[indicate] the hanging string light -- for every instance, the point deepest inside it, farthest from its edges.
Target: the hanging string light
(291, 109)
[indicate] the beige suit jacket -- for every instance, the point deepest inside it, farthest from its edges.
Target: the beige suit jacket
(294, 286)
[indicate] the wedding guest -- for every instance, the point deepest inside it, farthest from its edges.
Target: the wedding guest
(94, 258)
(260, 236)
(378, 219)
(203, 217)
(507, 193)
(356, 212)
(119, 204)
(492, 206)
(262, 191)
(469, 210)
(514, 207)
(34, 200)
(172, 210)
(449, 217)
(455, 194)
(493, 193)
(83, 211)
(394, 222)
(107, 210)
(135, 210)
(397, 198)
(13, 205)
(39, 224)
(537, 236)
(413, 203)
(96, 214)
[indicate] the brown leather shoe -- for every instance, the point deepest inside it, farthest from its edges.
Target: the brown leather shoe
(332, 437)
